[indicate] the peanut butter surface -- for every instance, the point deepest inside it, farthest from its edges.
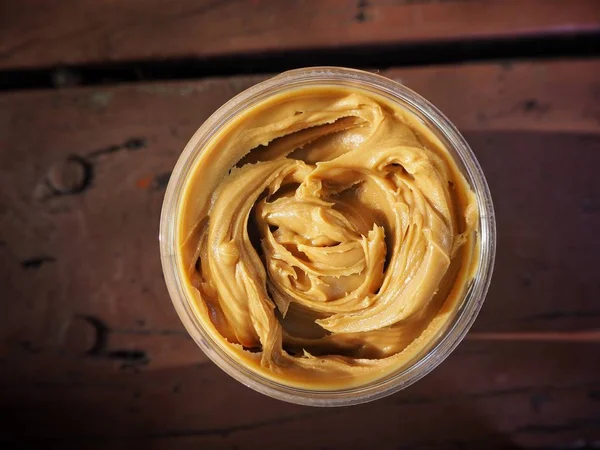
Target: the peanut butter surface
(326, 237)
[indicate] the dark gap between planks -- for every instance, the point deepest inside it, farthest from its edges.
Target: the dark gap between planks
(380, 56)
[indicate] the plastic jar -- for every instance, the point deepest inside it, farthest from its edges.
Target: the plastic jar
(444, 130)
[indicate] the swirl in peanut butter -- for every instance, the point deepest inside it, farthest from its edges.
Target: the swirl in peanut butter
(327, 237)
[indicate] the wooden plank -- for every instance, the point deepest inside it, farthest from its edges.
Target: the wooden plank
(131, 136)
(502, 395)
(50, 33)
(92, 353)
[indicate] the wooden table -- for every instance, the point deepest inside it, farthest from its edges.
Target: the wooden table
(98, 99)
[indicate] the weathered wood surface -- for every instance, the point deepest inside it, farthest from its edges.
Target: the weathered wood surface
(37, 33)
(92, 354)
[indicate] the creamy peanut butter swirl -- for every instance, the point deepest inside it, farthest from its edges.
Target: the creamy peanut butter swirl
(327, 237)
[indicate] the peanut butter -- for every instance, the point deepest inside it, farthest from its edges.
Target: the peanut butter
(327, 237)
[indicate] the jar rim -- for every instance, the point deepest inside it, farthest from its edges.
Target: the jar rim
(457, 146)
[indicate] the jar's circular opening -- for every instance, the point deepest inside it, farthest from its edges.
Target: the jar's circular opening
(467, 311)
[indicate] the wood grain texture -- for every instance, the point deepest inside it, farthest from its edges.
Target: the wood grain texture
(92, 354)
(56, 32)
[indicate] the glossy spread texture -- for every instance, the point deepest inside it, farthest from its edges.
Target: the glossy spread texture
(327, 237)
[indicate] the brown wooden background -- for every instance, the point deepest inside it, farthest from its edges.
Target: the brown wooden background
(92, 354)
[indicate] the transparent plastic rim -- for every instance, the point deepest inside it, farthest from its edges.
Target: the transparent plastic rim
(444, 130)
